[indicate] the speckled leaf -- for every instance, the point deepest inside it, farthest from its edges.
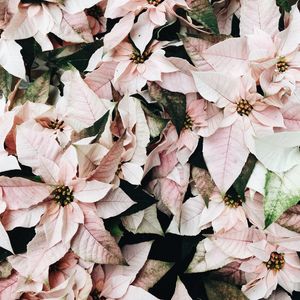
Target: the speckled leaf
(203, 183)
(291, 219)
(231, 273)
(5, 82)
(202, 12)
(156, 123)
(5, 269)
(37, 91)
(279, 196)
(218, 290)
(151, 273)
(174, 103)
(95, 130)
(79, 59)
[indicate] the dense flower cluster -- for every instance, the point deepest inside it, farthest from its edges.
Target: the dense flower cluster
(144, 140)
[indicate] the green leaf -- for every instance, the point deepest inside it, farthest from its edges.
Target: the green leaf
(155, 123)
(280, 194)
(80, 59)
(5, 82)
(202, 12)
(96, 129)
(174, 103)
(286, 4)
(113, 226)
(37, 91)
(218, 290)
(241, 182)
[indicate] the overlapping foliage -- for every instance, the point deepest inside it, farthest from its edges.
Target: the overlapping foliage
(149, 149)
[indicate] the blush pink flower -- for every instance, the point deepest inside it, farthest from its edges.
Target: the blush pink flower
(246, 115)
(194, 124)
(275, 60)
(38, 19)
(224, 213)
(136, 67)
(270, 265)
(61, 211)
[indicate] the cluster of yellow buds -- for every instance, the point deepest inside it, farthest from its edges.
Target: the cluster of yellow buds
(233, 202)
(281, 64)
(138, 58)
(56, 125)
(63, 195)
(154, 2)
(188, 122)
(244, 107)
(276, 261)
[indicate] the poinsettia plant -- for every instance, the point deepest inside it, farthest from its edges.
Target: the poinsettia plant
(149, 149)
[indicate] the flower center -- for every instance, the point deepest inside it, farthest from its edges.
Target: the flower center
(276, 261)
(138, 58)
(57, 124)
(244, 107)
(94, 11)
(233, 202)
(154, 2)
(63, 195)
(188, 122)
(281, 64)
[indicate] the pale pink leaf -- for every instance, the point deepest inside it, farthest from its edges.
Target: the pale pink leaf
(74, 28)
(289, 38)
(114, 203)
(134, 292)
(83, 106)
(91, 191)
(191, 215)
(89, 157)
(291, 116)
(22, 217)
(108, 166)
(75, 6)
(38, 151)
(229, 56)
(118, 278)
(143, 221)
(118, 32)
(142, 30)
(4, 239)
(8, 287)
(234, 243)
(217, 87)
(100, 79)
(225, 154)
(94, 243)
(36, 261)
(8, 162)
(21, 193)
(11, 59)
(259, 14)
(180, 291)
(173, 81)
